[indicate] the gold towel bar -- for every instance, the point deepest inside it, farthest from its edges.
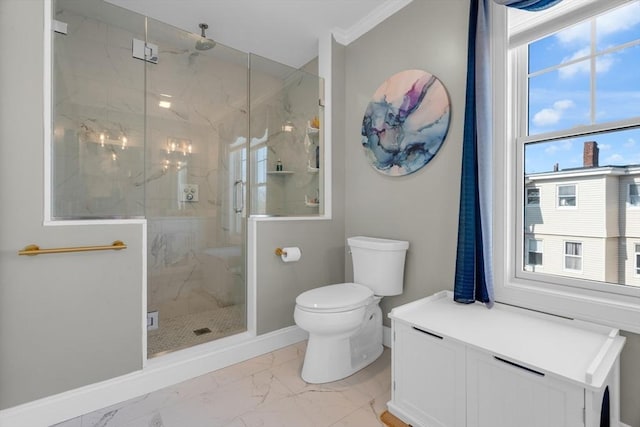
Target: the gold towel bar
(35, 249)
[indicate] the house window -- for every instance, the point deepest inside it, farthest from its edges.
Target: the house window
(573, 256)
(637, 260)
(533, 196)
(566, 196)
(534, 252)
(634, 195)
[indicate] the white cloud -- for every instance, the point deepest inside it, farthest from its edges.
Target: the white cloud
(551, 116)
(604, 147)
(567, 145)
(554, 148)
(614, 158)
(563, 104)
(577, 33)
(603, 64)
(618, 20)
(546, 116)
(630, 143)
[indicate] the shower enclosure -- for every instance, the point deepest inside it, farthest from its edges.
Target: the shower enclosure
(153, 122)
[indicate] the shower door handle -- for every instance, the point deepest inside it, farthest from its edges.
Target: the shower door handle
(238, 184)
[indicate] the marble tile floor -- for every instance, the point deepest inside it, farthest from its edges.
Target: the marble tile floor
(265, 391)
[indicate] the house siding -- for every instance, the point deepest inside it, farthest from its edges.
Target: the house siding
(594, 251)
(587, 218)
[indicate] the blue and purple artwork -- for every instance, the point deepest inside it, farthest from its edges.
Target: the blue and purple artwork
(406, 122)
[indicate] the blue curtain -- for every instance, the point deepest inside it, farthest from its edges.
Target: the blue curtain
(530, 5)
(474, 275)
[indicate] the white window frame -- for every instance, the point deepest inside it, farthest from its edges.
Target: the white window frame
(553, 294)
(539, 196)
(529, 251)
(637, 259)
(629, 204)
(559, 197)
(573, 256)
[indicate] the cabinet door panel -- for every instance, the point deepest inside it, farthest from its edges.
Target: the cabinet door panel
(502, 394)
(429, 378)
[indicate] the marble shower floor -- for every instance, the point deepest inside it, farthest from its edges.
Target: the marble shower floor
(265, 391)
(178, 332)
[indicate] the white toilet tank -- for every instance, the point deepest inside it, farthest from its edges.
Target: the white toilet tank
(378, 263)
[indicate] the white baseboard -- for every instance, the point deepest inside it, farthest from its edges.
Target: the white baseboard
(158, 373)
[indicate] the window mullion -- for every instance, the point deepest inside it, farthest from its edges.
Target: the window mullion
(626, 124)
(593, 71)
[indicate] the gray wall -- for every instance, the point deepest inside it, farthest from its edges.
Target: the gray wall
(321, 241)
(422, 208)
(65, 320)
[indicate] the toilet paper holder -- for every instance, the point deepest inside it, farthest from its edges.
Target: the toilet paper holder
(290, 254)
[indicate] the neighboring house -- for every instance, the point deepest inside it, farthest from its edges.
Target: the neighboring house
(584, 222)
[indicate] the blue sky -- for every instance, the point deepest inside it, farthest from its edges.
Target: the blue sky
(560, 94)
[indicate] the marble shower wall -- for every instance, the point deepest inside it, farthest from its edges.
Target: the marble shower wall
(282, 95)
(98, 112)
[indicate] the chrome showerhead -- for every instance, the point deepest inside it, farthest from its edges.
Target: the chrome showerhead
(204, 43)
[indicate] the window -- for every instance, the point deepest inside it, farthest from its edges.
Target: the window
(564, 113)
(637, 260)
(238, 176)
(534, 252)
(573, 256)
(577, 125)
(566, 195)
(533, 196)
(259, 172)
(634, 195)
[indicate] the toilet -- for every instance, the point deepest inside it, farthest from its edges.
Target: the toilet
(344, 321)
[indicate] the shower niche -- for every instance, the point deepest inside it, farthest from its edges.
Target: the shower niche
(191, 143)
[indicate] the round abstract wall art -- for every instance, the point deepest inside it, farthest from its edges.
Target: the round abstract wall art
(406, 122)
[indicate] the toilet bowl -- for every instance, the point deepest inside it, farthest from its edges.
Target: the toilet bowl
(344, 321)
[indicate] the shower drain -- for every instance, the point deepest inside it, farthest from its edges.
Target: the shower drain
(202, 331)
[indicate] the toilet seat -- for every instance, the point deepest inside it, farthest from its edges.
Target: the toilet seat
(335, 298)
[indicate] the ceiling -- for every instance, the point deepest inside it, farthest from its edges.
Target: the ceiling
(286, 31)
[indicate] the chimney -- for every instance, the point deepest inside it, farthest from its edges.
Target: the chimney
(556, 167)
(590, 154)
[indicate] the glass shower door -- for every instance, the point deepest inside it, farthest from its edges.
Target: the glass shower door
(196, 115)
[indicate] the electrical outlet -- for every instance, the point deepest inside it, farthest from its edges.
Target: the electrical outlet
(189, 193)
(152, 320)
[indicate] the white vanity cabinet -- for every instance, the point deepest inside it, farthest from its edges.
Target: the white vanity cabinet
(457, 365)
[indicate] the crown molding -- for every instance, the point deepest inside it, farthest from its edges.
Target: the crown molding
(372, 19)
